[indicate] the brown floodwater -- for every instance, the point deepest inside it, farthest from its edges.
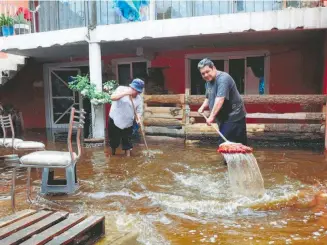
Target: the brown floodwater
(182, 195)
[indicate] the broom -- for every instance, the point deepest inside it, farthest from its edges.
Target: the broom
(244, 173)
(141, 126)
(230, 147)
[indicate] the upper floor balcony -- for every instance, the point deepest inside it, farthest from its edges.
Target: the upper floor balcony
(159, 23)
(46, 15)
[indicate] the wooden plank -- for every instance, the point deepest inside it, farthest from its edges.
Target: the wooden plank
(162, 122)
(203, 128)
(163, 112)
(15, 217)
(21, 224)
(23, 234)
(165, 99)
(77, 230)
(304, 99)
(286, 116)
(47, 235)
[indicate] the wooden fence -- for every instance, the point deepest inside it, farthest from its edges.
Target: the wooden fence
(172, 115)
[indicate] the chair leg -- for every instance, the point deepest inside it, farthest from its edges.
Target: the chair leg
(70, 177)
(45, 179)
(29, 185)
(13, 186)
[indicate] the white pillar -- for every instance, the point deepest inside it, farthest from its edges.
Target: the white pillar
(152, 10)
(98, 119)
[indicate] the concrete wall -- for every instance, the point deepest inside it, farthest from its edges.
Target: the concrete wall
(294, 69)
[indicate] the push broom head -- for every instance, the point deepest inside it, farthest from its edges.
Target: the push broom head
(234, 148)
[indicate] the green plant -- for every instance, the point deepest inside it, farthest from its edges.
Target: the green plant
(19, 19)
(6, 20)
(82, 84)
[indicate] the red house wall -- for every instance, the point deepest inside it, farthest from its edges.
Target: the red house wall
(294, 69)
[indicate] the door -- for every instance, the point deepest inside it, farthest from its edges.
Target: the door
(62, 98)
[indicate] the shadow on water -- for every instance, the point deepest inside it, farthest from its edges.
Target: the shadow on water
(182, 195)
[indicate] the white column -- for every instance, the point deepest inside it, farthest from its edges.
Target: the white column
(98, 119)
(152, 10)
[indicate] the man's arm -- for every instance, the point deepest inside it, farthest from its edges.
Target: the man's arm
(119, 93)
(204, 105)
(219, 101)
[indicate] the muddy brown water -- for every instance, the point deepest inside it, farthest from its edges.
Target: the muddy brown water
(182, 196)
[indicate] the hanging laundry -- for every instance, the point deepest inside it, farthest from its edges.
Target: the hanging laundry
(131, 9)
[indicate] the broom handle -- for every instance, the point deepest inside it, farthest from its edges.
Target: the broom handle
(218, 131)
(142, 130)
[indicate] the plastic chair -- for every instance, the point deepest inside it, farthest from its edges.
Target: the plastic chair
(57, 159)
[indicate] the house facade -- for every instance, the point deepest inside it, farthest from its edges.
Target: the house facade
(269, 47)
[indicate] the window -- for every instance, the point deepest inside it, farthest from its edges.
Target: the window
(126, 71)
(248, 73)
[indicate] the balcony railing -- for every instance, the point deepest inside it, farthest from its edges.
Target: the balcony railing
(66, 14)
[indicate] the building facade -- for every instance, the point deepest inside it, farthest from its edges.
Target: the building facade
(269, 47)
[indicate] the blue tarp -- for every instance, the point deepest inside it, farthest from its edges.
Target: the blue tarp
(130, 9)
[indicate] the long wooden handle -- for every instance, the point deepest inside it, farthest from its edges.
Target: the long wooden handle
(142, 129)
(218, 131)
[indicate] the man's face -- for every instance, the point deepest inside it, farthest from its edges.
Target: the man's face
(208, 74)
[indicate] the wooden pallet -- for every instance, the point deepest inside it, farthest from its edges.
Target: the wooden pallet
(36, 227)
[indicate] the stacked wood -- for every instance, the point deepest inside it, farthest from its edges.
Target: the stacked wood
(307, 99)
(152, 130)
(163, 112)
(162, 122)
(165, 99)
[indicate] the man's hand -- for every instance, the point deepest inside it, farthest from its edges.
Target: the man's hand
(138, 120)
(210, 120)
(201, 110)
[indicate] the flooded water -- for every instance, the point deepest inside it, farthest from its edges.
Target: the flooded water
(182, 196)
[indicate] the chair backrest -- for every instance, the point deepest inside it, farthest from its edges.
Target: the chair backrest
(76, 122)
(6, 123)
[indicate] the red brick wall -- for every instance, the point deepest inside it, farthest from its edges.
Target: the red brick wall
(21, 93)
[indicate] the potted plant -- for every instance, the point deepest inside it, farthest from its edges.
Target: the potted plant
(21, 25)
(7, 25)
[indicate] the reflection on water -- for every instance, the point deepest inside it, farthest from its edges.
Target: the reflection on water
(182, 196)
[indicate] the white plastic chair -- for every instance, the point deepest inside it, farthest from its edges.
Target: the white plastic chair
(58, 159)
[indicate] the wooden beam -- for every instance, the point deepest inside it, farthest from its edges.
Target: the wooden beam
(162, 122)
(153, 130)
(203, 128)
(165, 99)
(163, 112)
(306, 99)
(288, 116)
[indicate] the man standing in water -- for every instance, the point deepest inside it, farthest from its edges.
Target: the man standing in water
(121, 115)
(225, 103)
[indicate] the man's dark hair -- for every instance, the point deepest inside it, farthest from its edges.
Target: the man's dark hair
(205, 62)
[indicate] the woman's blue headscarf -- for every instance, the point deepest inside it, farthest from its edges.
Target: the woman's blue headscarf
(130, 9)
